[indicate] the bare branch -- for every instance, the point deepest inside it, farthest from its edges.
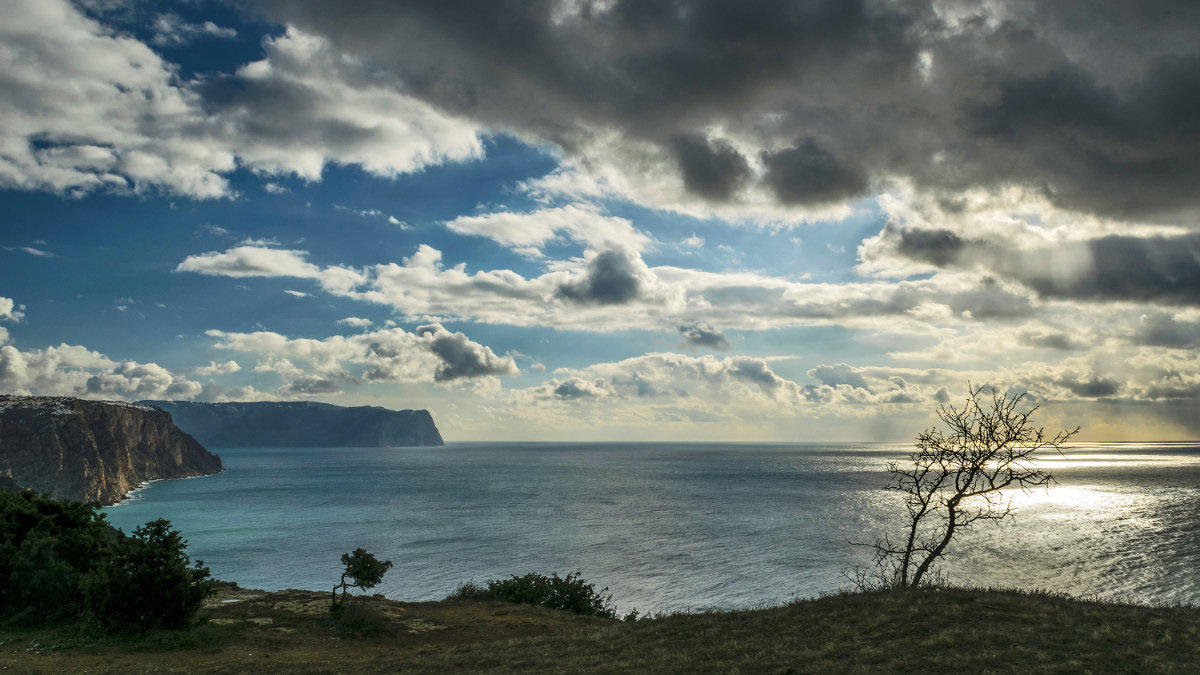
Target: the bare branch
(957, 478)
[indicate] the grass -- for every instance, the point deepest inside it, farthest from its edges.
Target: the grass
(949, 630)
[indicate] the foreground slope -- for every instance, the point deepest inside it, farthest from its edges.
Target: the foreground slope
(300, 424)
(95, 451)
(950, 630)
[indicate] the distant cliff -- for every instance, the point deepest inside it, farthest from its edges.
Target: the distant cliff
(93, 450)
(302, 424)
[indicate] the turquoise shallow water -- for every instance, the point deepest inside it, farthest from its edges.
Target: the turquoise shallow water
(667, 526)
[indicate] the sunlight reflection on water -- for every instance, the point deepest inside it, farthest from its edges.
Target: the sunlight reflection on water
(670, 526)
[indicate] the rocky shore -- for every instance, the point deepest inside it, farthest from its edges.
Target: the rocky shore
(96, 451)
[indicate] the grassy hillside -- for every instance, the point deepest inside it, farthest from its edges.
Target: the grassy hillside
(952, 630)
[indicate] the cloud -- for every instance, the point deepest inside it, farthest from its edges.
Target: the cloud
(1162, 329)
(1050, 340)
(578, 294)
(171, 29)
(71, 370)
(776, 113)
(808, 173)
(10, 310)
(612, 278)
(711, 168)
(37, 252)
(308, 385)
(355, 322)
(668, 377)
(530, 232)
(838, 374)
(89, 108)
(1121, 268)
(462, 358)
(701, 334)
(214, 368)
(429, 354)
(307, 104)
(258, 260)
(131, 380)
(1091, 386)
(1093, 106)
(250, 261)
(575, 388)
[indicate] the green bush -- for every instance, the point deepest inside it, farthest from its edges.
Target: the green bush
(47, 549)
(148, 582)
(61, 560)
(570, 593)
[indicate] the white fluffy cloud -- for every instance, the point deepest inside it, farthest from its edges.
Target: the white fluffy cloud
(251, 261)
(579, 294)
(87, 108)
(306, 105)
(355, 322)
(71, 370)
(530, 232)
(9, 310)
(430, 354)
(214, 368)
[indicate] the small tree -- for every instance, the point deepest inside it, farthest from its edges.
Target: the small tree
(363, 571)
(149, 581)
(955, 479)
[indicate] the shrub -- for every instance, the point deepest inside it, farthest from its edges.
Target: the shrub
(570, 593)
(60, 560)
(47, 549)
(468, 590)
(148, 581)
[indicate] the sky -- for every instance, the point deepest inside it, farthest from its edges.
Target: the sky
(581, 220)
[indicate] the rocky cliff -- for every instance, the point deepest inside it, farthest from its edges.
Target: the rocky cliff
(300, 424)
(93, 450)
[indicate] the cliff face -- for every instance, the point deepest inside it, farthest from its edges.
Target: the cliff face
(302, 424)
(93, 450)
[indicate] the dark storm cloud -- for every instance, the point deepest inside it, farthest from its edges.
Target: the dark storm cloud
(1058, 341)
(1125, 151)
(936, 247)
(1160, 329)
(1114, 268)
(461, 358)
(712, 169)
(701, 334)
(808, 173)
(1094, 102)
(610, 280)
(1093, 387)
(1158, 269)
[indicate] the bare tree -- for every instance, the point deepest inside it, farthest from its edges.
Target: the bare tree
(956, 479)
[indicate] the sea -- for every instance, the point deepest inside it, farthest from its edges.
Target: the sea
(671, 527)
